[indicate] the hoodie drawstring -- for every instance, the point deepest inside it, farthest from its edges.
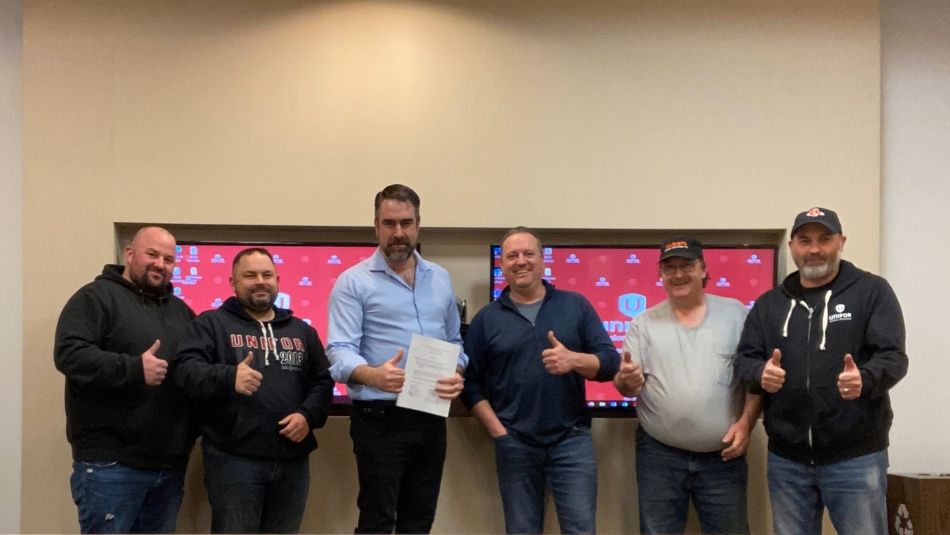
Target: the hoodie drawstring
(824, 321)
(788, 317)
(265, 327)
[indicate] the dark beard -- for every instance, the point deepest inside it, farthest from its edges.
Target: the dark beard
(393, 255)
(147, 286)
(258, 304)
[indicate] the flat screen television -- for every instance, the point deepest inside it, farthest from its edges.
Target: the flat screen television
(623, 281)
(307, 273)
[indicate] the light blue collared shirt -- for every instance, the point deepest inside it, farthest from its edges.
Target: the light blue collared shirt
(374, 313)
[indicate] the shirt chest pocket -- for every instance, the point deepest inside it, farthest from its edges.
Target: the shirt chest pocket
(723, 359)
(724, 363)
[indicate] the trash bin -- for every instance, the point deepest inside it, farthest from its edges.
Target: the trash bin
(918, 504)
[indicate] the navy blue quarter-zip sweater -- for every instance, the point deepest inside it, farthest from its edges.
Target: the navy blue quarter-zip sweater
(505, 365)
(296, 378)
(807, 420)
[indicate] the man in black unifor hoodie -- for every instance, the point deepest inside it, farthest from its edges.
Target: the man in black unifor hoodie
(260, 383)
(125, 418)
(824, 348)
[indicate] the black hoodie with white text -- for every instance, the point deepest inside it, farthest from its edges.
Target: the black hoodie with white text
(296, 378)
(807, 420)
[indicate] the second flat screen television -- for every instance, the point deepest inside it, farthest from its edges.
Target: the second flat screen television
(623, 281)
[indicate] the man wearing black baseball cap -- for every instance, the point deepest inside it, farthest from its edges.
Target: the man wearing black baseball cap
(824, 348)
(694, 423)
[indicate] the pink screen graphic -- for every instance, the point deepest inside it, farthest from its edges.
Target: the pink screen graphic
(307, 274)
(622, 282)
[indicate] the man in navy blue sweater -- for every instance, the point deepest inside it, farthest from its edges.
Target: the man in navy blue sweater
(530, 353)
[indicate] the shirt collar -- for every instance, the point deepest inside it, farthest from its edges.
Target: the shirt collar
(378, 262)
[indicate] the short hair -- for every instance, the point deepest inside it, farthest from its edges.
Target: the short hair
(248, 252)
(521, 230)
(397, 192)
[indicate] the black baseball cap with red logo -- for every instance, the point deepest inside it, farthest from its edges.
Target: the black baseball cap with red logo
(681, 247)
(822, 216)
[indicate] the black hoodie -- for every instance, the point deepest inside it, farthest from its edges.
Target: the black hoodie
(807, 420)
(296, 378)
(111, 415)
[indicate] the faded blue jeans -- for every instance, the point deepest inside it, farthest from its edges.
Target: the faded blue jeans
(568, 467)
(115, 498)
(668, 478)
(855, 492)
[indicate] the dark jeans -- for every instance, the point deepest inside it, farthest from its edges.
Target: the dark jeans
(668, 477)
(399, 457)
(251, 495)
(114, 498)
(567, 467)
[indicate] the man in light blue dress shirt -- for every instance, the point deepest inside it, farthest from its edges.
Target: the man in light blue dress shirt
(375, 308)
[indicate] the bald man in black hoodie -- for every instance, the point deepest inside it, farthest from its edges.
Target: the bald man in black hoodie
(125, 418)
(260, 382)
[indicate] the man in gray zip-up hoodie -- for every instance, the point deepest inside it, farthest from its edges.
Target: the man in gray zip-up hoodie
(824, 348)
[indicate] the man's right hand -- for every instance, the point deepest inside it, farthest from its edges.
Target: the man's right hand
(247, 380)
(773, 376)
(629, 379)
(153, 367)
(388, 377)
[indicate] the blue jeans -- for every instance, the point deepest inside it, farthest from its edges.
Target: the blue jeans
(250, 495)
(569, 467)
(668, 478)
(855, 492)
(115, 498)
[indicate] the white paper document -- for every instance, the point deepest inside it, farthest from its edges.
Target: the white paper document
(429, 360)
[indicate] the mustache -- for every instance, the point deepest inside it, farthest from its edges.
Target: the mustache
(261, 288)
(399, 241)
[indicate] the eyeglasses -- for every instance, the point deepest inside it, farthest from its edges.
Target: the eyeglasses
(670, 269)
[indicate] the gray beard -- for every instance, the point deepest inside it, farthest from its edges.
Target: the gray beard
(822, 271)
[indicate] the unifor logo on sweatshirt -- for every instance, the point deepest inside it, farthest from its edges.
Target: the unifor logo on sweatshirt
(839, 314)
(289, 355)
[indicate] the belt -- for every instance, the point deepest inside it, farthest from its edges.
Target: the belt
(374, 403)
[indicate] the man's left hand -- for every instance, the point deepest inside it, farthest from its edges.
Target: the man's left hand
(849, 380)
(450, 387)
(295, 427)
(558, 360)
(736, 441)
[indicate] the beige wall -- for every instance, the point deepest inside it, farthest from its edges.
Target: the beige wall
(608, 115)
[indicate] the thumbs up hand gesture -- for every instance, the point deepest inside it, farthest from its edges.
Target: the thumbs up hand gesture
(247, 380)
(849, 380)
(388, 376)
(153, 367)
(773, 376)
(629, 379)
(558, 360)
